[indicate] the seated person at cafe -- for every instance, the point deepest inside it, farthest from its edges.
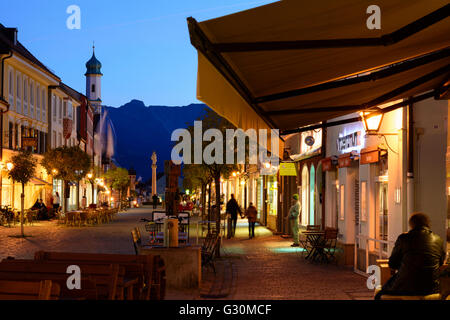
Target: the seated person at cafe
(43, 212)
(417, 256)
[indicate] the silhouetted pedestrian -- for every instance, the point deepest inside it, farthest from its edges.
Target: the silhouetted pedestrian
(233, 209)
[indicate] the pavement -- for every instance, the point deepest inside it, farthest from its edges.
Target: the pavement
(265, 267)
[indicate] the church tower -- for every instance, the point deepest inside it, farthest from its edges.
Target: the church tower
(94, 82)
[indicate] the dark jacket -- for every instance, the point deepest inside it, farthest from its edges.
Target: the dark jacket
(417, 255)
(251, 213)
(233, 208)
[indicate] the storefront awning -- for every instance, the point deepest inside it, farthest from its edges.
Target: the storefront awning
(39, 182)
(293, 63)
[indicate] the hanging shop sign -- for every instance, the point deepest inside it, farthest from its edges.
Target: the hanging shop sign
(369, 155)
(29, 142)
(328, 164)
(312, 141)
(309, 140)
(349, 141)
(288, 169)
(345, 160)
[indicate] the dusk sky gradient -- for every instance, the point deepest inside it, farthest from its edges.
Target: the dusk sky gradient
(143, 45)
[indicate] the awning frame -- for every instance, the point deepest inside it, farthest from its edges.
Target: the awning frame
(384, 40)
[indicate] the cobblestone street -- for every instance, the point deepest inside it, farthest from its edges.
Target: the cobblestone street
(262, 268)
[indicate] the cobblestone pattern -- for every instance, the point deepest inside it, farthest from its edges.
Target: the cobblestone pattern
(262, 268)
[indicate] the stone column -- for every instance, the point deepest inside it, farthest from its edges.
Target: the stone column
(154, 191)
(154, 159)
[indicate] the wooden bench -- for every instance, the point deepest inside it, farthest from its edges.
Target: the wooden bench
(386, 272)
(29, 290)
(105, 278)
(209, 249)
(142, 267)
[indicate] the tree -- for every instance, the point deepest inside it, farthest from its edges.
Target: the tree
(197, 176)
(119, 180)
(24, 166)
(212, 120)
(67, 164)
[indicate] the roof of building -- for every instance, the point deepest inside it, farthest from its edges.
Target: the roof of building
(8, 41)
(71, 92)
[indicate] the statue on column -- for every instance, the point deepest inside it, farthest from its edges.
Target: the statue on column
(154, 159)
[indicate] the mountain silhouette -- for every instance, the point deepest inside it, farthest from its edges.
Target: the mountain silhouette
(141, 129)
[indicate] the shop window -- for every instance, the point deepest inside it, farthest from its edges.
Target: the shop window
(363, 200)
(272, 193)
(342, 202)
(305, 195)
(312, 179)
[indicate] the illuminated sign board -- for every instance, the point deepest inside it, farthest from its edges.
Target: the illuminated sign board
(349, 141)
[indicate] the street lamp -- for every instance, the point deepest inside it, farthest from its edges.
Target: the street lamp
(372, 121)
(89, 175)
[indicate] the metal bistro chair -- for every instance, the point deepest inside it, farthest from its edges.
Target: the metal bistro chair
(303, 241)
(328, 245)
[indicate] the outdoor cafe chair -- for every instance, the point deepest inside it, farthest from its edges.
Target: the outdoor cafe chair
(303, 240)
(328, 246)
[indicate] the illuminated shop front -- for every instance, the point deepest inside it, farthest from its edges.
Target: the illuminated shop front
(361, 172)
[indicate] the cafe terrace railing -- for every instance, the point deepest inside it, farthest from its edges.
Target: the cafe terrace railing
(361, 238)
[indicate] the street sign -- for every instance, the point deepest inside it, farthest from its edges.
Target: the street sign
(288, 169)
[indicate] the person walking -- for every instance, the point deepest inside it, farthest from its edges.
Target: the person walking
(56, 202)
(155, 201)
(417, 255)
(251, 213)
(233, 209)
(294, 214)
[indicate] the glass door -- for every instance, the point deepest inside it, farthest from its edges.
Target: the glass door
(381, 223)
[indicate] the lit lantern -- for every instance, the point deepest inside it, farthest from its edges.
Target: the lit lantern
(372, 121)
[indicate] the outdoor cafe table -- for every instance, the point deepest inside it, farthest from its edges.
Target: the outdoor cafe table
(314, 238)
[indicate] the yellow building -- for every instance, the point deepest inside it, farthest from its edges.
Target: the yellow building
(24, 120)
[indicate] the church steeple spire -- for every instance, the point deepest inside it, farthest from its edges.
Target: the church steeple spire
(93, 81)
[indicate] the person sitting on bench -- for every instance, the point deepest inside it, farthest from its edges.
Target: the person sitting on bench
(417, 255)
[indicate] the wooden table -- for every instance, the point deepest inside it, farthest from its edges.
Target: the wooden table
(183, 265)
(314, 238)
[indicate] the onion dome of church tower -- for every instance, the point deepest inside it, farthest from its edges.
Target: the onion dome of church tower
(93, 66)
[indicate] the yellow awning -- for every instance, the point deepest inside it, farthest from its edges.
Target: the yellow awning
(283, 65)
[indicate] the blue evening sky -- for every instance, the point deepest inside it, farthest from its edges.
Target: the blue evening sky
(143, 45)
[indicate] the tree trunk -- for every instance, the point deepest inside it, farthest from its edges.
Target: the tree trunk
(120, 200)
(92, 187)
(63, 197)
(217, 183)
(209, 204)
(78, 195)
(203, 200)
(22, 200)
